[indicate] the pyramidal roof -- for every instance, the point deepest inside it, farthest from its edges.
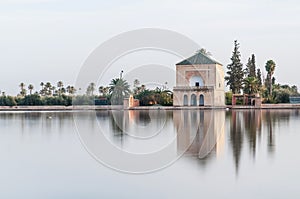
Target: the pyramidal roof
(198, 58)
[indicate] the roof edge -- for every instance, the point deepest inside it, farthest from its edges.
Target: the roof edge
(208, 57)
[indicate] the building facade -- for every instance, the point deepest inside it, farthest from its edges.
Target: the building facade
(199, 82)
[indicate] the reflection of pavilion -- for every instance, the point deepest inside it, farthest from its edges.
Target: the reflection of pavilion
(200, 131)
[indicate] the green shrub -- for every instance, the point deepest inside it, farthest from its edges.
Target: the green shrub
(228, 98)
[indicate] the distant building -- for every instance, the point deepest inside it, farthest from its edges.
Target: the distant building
(101, 101)
(199, 82)
(295, 99)
(130, 102)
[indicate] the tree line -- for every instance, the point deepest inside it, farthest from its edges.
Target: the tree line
(249, 80)
(113, 94)
(48, 94)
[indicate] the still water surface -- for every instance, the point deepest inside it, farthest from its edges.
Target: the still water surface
(230, 154)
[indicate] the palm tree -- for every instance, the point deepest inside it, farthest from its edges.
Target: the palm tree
(60, 87)
(165, 86)
(105, 91)
(101, 90)
(70, 90)
(23, 90)
(92, 85)
(60, 84)
(42, 85)
(251, 85)
(136, 87)
(136, 83)
(53, 90)
(22, 85)
(73, 90)
(90, 89)
(143, 87)
(48, 88)
(270, 68)
(30, 88)
(42, 91)
(119, 88)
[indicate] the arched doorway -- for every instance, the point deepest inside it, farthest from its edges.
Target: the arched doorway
(193, 100)
(185, 100)
(201, 100)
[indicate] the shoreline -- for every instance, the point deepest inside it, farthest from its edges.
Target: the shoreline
(120, 107)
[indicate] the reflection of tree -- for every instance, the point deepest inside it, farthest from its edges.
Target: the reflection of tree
(252, 121)
(236, 138)
(102, 115)
(297, 113)
(118, 123)
(144, 117)
(276, 117)
(271, 142)
(116, 120)
(28, 121)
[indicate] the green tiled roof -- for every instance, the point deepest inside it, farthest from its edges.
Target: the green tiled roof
(198, 58)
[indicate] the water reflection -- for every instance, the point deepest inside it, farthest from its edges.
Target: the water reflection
(201, 133)
(236, 137)
(256, 156)
(26, 122)
(249, 126)
(198, 133)
(205, 126)
(137, 131)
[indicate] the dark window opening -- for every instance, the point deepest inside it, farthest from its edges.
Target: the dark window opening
(197, 84)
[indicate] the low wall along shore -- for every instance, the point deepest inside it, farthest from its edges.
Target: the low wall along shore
(120, 107)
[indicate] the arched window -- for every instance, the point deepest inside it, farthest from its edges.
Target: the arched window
(201, 100)
(193, 100)
(196, 81)
(185, 100)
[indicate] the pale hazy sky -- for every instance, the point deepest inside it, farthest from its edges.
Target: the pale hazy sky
(48, 40)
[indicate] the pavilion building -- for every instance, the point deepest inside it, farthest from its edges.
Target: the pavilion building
(199, 82)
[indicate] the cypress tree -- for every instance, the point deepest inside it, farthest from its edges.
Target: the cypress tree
(259, 79)
(235, 73)
(251, 67)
